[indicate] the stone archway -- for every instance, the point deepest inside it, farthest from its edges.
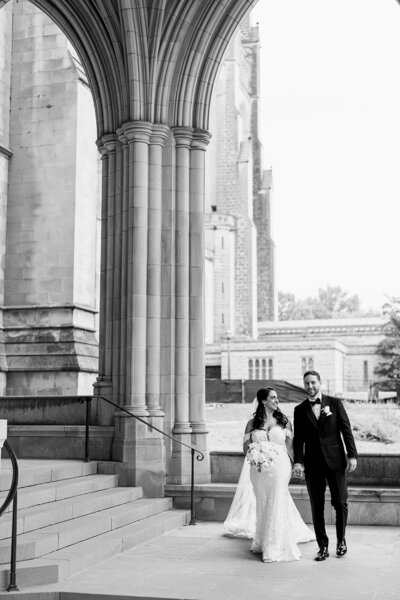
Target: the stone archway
(151, 69)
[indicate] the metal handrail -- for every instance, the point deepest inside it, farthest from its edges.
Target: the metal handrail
(194, 451)
(12, 497)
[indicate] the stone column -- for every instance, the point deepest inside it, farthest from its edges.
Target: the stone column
(179, 471)
(153, 362)
(103, 385)
(139, 450)
(196, 290)
(124, 266)
(138, 134)
(183, 139)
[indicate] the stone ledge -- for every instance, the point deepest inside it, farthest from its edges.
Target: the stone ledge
(227, 490)
(378, 470)
(367, 505)
(60, 441)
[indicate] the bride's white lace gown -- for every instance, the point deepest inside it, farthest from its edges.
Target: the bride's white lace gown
(264, 510)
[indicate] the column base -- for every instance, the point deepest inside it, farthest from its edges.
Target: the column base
(104, 411)
(179, 471)
(142, 454)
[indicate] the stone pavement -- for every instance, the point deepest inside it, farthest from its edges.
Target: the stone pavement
(200, 563)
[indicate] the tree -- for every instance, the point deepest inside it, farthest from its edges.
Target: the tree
(332, 302)
(389, 348)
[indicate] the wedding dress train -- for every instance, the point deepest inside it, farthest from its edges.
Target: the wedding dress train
(263, 509)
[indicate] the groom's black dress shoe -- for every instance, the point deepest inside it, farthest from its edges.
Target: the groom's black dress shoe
(341, 548)
(322, 554)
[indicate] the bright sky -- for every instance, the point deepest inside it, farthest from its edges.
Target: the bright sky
(330, 77)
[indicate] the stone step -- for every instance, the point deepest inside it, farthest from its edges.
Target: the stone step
(59, 490)
(66, 562)
(42, 515)
(54, 537)
(34, 472)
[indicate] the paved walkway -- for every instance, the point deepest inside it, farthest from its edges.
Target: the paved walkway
(199, 563)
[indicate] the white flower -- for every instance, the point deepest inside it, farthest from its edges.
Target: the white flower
(262, 455)
(327, 411)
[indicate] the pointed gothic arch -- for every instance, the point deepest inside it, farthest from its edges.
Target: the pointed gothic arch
(151, 69)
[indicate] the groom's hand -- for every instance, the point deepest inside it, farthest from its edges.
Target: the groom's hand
(298, 471)
(351, 465)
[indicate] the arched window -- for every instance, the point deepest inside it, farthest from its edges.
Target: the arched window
(303, 365)
(250, 369)
(264, 369)
(257, 369)
(311, 364)
(270, 369)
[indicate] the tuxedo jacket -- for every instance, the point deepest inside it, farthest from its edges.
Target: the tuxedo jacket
(315, 439)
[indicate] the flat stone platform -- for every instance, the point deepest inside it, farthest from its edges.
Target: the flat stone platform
(200, 563)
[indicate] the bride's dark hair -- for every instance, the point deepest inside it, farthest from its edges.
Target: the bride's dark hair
(260, 415)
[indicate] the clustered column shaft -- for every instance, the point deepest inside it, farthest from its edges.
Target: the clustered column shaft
(131, 263)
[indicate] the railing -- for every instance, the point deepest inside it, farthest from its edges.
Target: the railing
(194, 451)
(12, 497)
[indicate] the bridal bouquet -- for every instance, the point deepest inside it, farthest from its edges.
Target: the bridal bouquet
(261, 455)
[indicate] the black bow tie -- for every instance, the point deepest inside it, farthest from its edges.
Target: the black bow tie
(314, 402)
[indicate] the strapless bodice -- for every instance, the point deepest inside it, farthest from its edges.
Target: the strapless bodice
(276, 434)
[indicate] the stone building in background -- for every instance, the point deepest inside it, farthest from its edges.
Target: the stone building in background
(49, 174)
(238, 199)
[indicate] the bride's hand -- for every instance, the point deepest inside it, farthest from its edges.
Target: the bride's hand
(298, 471)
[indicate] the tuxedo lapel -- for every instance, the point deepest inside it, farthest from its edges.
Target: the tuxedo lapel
(322, 416)
(310, 413)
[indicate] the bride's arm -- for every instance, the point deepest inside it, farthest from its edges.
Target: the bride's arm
(247, 436)
(289, 440)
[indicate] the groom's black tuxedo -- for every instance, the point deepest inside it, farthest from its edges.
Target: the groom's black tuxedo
(318, 445)
(313, 438)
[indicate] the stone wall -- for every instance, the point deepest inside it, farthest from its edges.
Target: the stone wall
(5, 155)
(51, 261)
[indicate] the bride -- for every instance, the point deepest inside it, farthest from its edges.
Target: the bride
(262, 508)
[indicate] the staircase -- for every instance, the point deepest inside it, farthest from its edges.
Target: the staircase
(70, 517)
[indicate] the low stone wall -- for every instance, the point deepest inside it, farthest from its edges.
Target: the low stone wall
(373, 469)
(367, 506)
(60, 441)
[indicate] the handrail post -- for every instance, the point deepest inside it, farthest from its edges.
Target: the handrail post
(192, 512)
(13, 565)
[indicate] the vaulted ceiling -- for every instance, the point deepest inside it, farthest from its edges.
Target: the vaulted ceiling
(154, 60)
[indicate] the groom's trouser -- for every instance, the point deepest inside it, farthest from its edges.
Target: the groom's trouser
(316, 480)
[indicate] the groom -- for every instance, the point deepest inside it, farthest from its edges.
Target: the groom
(319, 426)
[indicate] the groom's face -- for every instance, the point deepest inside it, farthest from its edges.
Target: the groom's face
(312, 385)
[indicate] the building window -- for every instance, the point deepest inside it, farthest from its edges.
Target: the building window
(310, 364)
(365, 371)
(250, 369)
(264, 368)
(222, 318)
(303, 365)
(222, 241)
(257, 376)
(222, 287)
(270, 369)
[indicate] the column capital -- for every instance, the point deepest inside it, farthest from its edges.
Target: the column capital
(201, 139)
(122, 137)
(107, 144)
(183, 136)
(159, 134)
(137, 131)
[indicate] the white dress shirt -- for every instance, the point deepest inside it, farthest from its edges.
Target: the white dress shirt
(316, 408)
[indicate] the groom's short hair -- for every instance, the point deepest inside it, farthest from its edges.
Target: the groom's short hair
(315, 373)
